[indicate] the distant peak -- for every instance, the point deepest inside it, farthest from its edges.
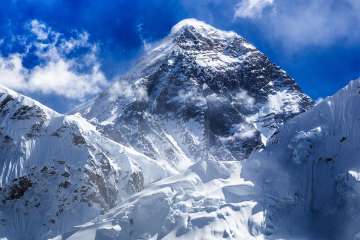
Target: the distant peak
(22, 99)
(200, 27)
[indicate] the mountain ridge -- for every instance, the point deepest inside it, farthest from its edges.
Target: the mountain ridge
(54, 164)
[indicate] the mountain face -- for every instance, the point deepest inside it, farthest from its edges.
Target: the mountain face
(199, 93)
(57, 171)
(308, 175)
(305, 184)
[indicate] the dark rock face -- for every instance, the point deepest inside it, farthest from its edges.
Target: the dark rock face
(5, 101)
(78, 140)
(136, 182)
(27, 112)
(47, 188)
(18, 189)
(203, 76)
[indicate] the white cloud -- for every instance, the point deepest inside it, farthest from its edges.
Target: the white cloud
(62, 71)
(244, 99)
(128, 91)
(241, 131)
(57, 77)
(39, 29)
(146, 44)
(251, 8)
(12, 71)
(304, 23)
(192, 97)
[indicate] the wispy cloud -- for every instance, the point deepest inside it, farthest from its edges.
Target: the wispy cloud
(128, 91)
(67, 67)
(146, 44)
(298, 23)
(251, 8)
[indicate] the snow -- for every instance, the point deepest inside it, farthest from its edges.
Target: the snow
(355, 174)
(302, 144)
(248, 45)
(201, 27)
(207, 200)
(282, 102)
(215, 60)
(4, 91)
(242, 97)
(308, 171)
(257, 223)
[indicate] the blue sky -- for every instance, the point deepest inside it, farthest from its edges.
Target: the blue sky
(64, 52)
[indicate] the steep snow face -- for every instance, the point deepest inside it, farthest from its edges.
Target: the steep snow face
(58, 171)
(198, 90)
(309, 173)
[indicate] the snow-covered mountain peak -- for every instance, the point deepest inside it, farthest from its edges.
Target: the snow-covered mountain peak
(10, 97)
(199, 87)
(192, 24)
(203, 44)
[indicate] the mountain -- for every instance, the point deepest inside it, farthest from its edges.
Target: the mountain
(308, 175)
(57, 171)
(305, 184)
(161, 154)
(202, 99)
(198, 93)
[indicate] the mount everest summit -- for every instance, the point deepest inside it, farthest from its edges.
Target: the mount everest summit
(208, 90)
(203, 138)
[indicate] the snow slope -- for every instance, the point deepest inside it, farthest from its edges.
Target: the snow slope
(57, 171)
(308, 174)
(303, 185)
